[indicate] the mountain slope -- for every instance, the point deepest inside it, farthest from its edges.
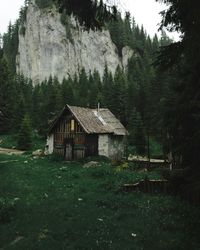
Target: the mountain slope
(47, 47)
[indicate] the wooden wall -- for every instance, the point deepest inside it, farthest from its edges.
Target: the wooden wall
(68, 131)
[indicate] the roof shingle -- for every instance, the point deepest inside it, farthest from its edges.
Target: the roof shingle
(95, 121)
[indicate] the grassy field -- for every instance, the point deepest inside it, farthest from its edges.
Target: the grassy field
(49, 204)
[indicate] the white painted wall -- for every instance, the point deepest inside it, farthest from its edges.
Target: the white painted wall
(103, 145)
(111, 146)
(116, 147)
(49, 144)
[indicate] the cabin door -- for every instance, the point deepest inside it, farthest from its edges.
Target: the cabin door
(69, 145)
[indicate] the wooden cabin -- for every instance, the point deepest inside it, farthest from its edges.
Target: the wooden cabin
(80, 132)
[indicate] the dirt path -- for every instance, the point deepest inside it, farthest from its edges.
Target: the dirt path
(10, 151)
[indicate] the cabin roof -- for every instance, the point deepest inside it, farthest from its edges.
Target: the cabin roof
(94, 121)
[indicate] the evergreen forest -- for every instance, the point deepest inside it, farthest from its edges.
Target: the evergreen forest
(157, 96)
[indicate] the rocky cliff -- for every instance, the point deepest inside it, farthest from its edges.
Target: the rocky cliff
(45, 49)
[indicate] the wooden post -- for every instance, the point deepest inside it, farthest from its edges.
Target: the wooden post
(148, 149)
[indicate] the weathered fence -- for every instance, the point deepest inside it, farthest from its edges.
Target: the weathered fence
(144, 162)
(192, 196)
(148, 186)
(163, 186)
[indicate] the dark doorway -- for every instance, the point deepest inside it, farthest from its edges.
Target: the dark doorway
(91, 144)
(69, 149)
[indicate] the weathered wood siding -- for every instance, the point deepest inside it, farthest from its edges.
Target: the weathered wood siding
(71, 142)
(69, 136)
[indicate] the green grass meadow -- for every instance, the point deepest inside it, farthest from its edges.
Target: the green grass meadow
(51, 204)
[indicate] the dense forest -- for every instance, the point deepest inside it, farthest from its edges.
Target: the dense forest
(132, 95)
(157, 96)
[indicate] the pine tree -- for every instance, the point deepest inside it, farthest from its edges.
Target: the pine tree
(183, 58)
(10, 46)
(25, 135)
(107, 89)
(58, 96)
(120, 95)
(6, 96)
(67, 92)
(82, 91)
(137, 133)
(94, 89)
(36, 106)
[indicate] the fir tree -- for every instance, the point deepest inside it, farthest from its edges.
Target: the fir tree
(6, 96)
(137, 133)
(25, 135)
(94, 89)
(67, 92)
(183, 58)
(107, 90)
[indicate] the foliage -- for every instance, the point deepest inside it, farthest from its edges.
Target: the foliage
(22, 30)
(183, 60)
(90, 13)
(10, 141)
(10, 46)
(137, 135)
(5, 98)
(23, 12)
(44, 3)
(156, 149)
(66, 21)
(25, 135)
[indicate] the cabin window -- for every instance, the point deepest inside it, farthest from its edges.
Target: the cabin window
(72, 125)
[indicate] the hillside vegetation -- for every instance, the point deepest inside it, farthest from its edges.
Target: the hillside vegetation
(48, 204)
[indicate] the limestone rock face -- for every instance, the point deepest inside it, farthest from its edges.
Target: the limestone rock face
(46, 50)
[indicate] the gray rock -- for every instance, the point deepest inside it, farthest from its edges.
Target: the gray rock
(45, 49)
(91, 164)
(38, 152)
